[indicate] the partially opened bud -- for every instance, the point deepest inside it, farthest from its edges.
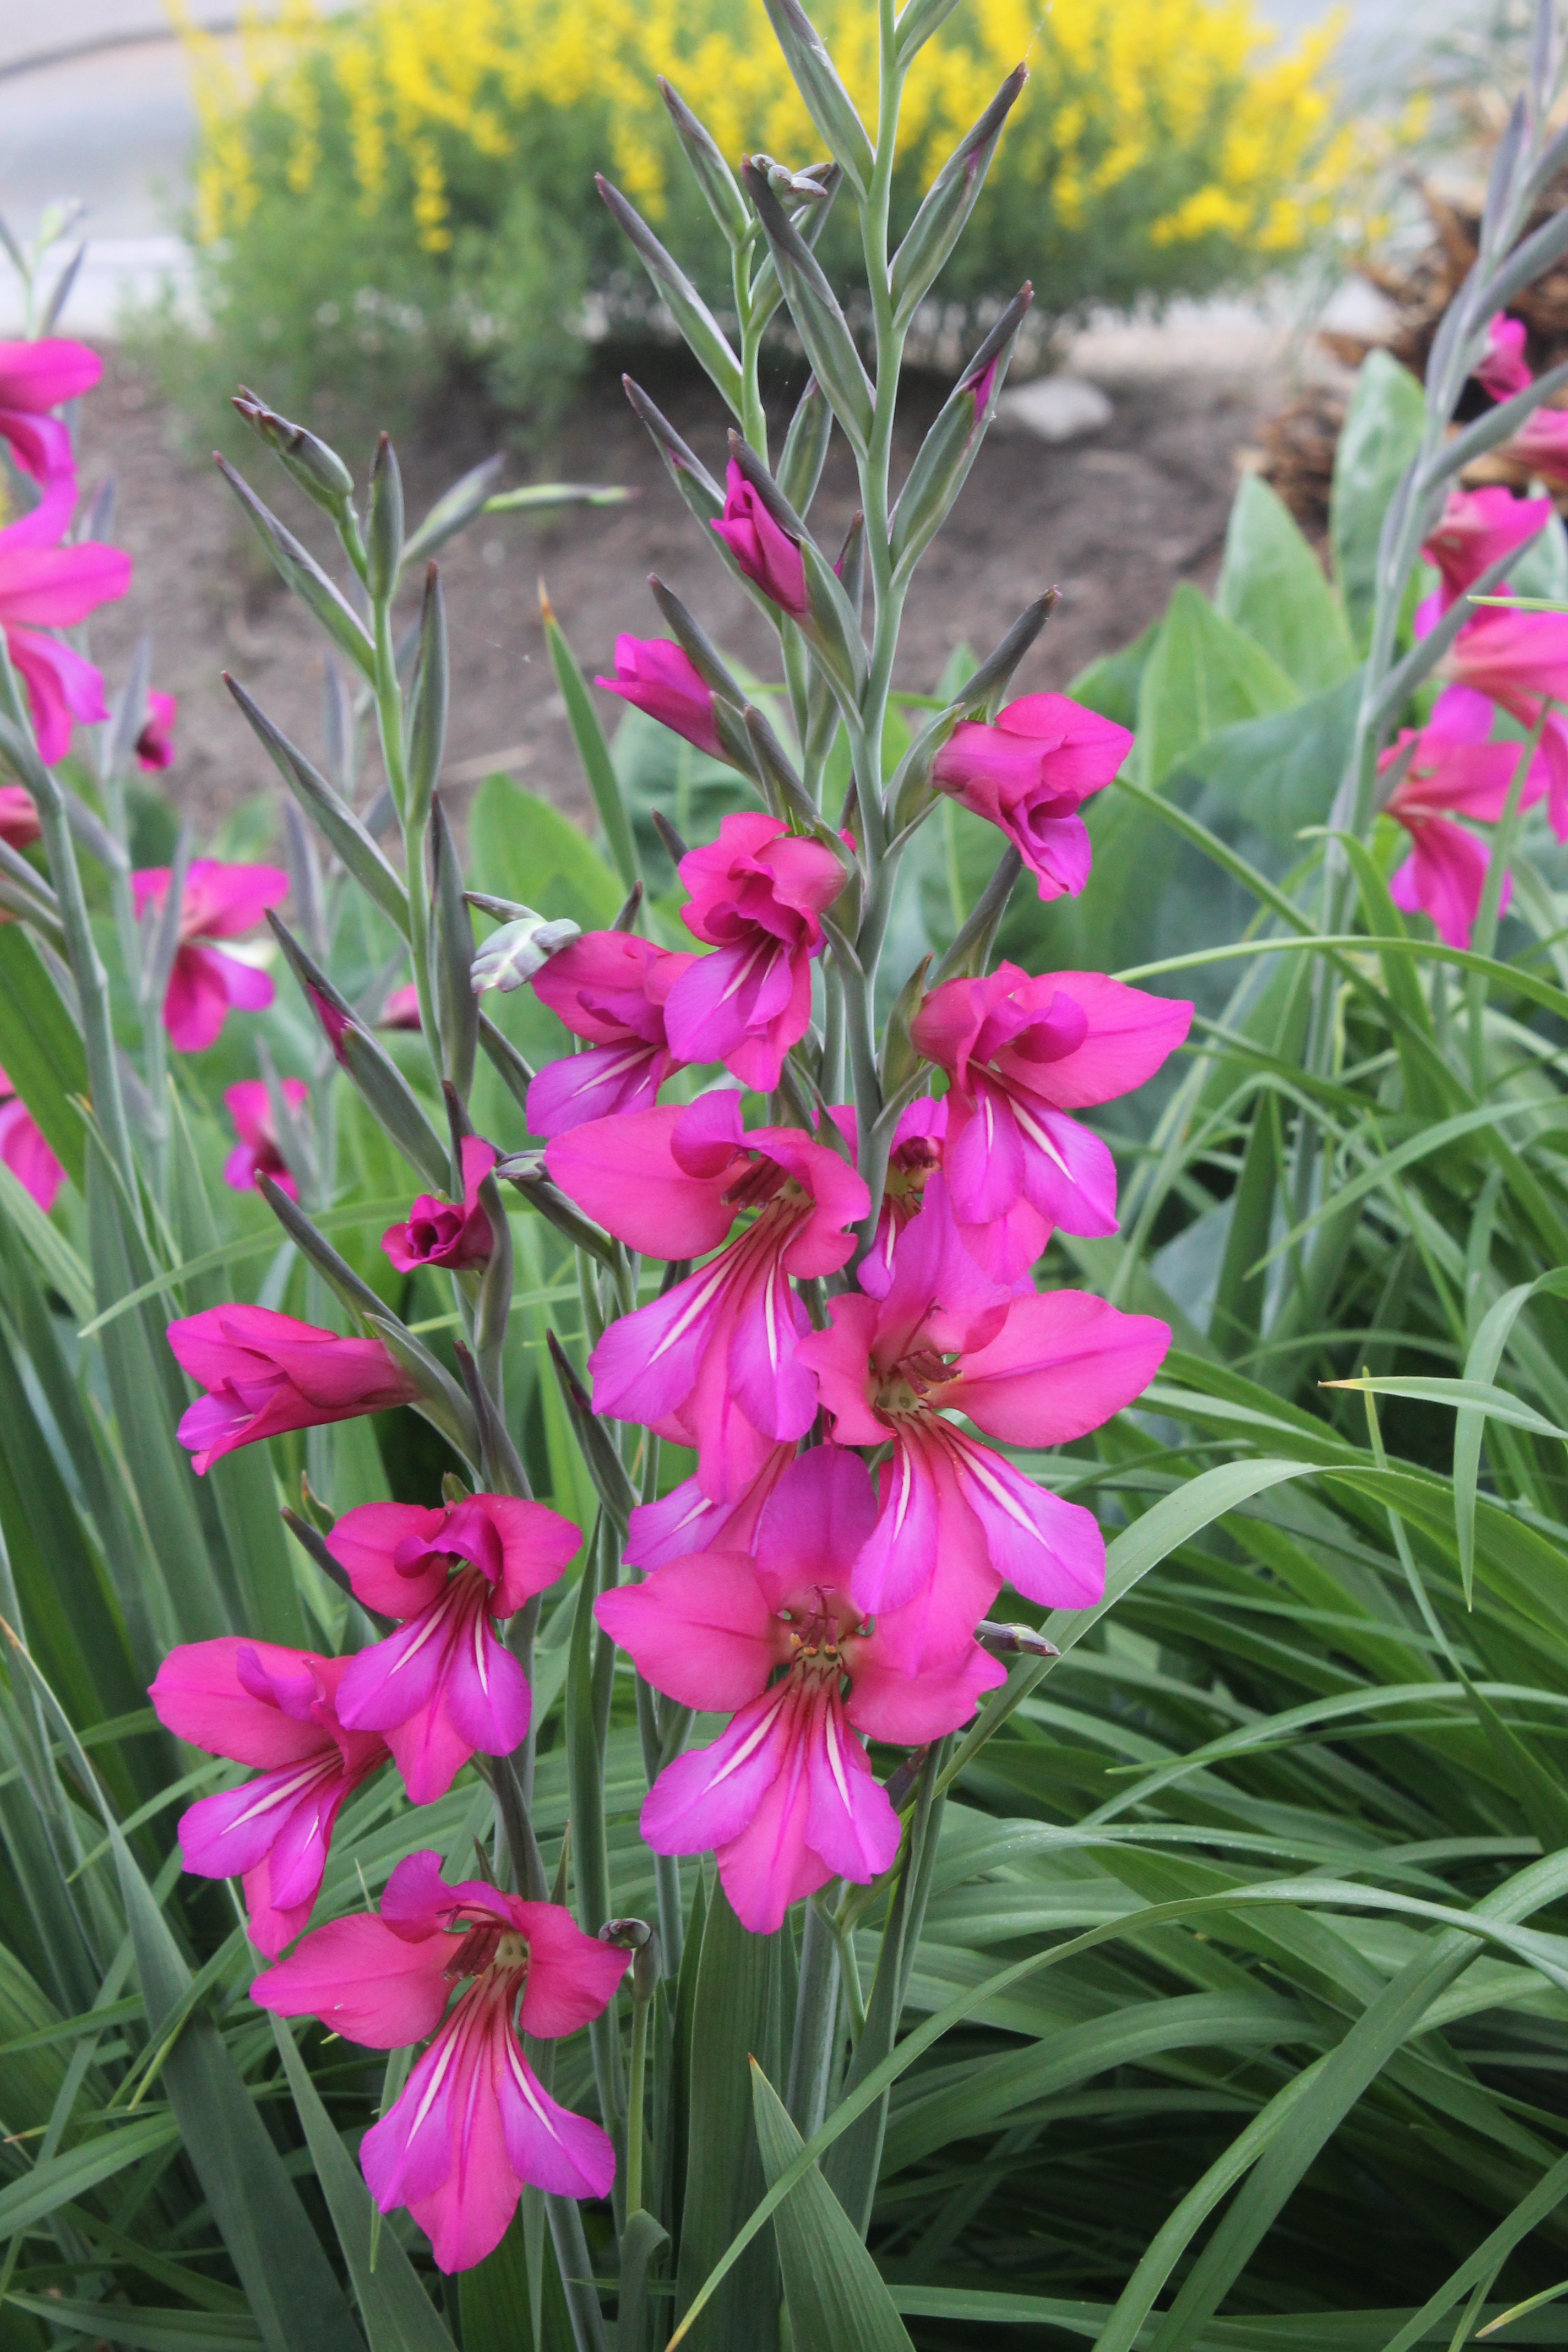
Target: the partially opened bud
(519, 950)
(660, 678)
(765, 550)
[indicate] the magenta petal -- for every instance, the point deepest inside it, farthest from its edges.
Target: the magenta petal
(776, 1392)
(546, 2144)
(623, 1172)
(1052, 1551)
(701, 1630)
(363, 1542)
(572, 1977)
(813, 1524)
(707, 1797)
(484, 1690)
(1062, 1364)
(983, 1164)
(364, 1982)
(770, 1865)
(900, 1557)
(388, 1683)
(849, 1822)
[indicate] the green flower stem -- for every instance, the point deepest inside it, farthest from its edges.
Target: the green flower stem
(816, 2020)
(389, 726)
(753, 416)
(637, 2063)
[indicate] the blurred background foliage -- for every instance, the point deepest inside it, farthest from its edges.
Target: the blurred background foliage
(383, 194)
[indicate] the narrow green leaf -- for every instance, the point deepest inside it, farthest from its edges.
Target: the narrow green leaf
(44, 1058)
(592, 749)
(734, 2019)
(837, 2302)
(398, 2314)
(42, 2191)
(143, 2330)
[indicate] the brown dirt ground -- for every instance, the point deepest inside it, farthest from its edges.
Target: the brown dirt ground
(1115, 519)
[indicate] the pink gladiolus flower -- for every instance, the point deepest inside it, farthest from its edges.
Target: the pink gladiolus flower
(24, 1150)
(258, 1153)
(1037, 1370)
(1028, 775)
(266, 1372)
(764, 551)
(785, 1797)
(712, 1363)
(1475, 528)
(220, 901)
(439, 1233)
(756, 896)
(19, 825)
(45, 587)
(1503, 371)
(34, 378)
(1019, 1055)
(443, 1686)
(609, 987)
(401, 1010)
(1455, 771)
(653, 674)
(274, 1709)
(474, 2125)
(155, 744)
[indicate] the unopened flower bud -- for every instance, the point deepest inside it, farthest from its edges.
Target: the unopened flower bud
(1014, 1641)
(635, 1935)
(319, 471)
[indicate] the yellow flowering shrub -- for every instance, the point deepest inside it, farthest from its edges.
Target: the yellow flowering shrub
(1162, 146)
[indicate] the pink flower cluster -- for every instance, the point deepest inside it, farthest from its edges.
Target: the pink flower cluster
(851, 1391)
(1451, 774)
(864, 1584)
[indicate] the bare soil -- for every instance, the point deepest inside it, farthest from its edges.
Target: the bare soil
(1114, 519)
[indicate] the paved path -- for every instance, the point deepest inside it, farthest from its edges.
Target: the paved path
(95, 103)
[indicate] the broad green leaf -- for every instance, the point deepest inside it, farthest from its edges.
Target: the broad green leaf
(1202, 675)
(521, 848)
(1110, 685)
(42, 1053)
(398, 2314)
(1381, 435)
(1272, 585)
(837, 2298)
(1277, 775)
